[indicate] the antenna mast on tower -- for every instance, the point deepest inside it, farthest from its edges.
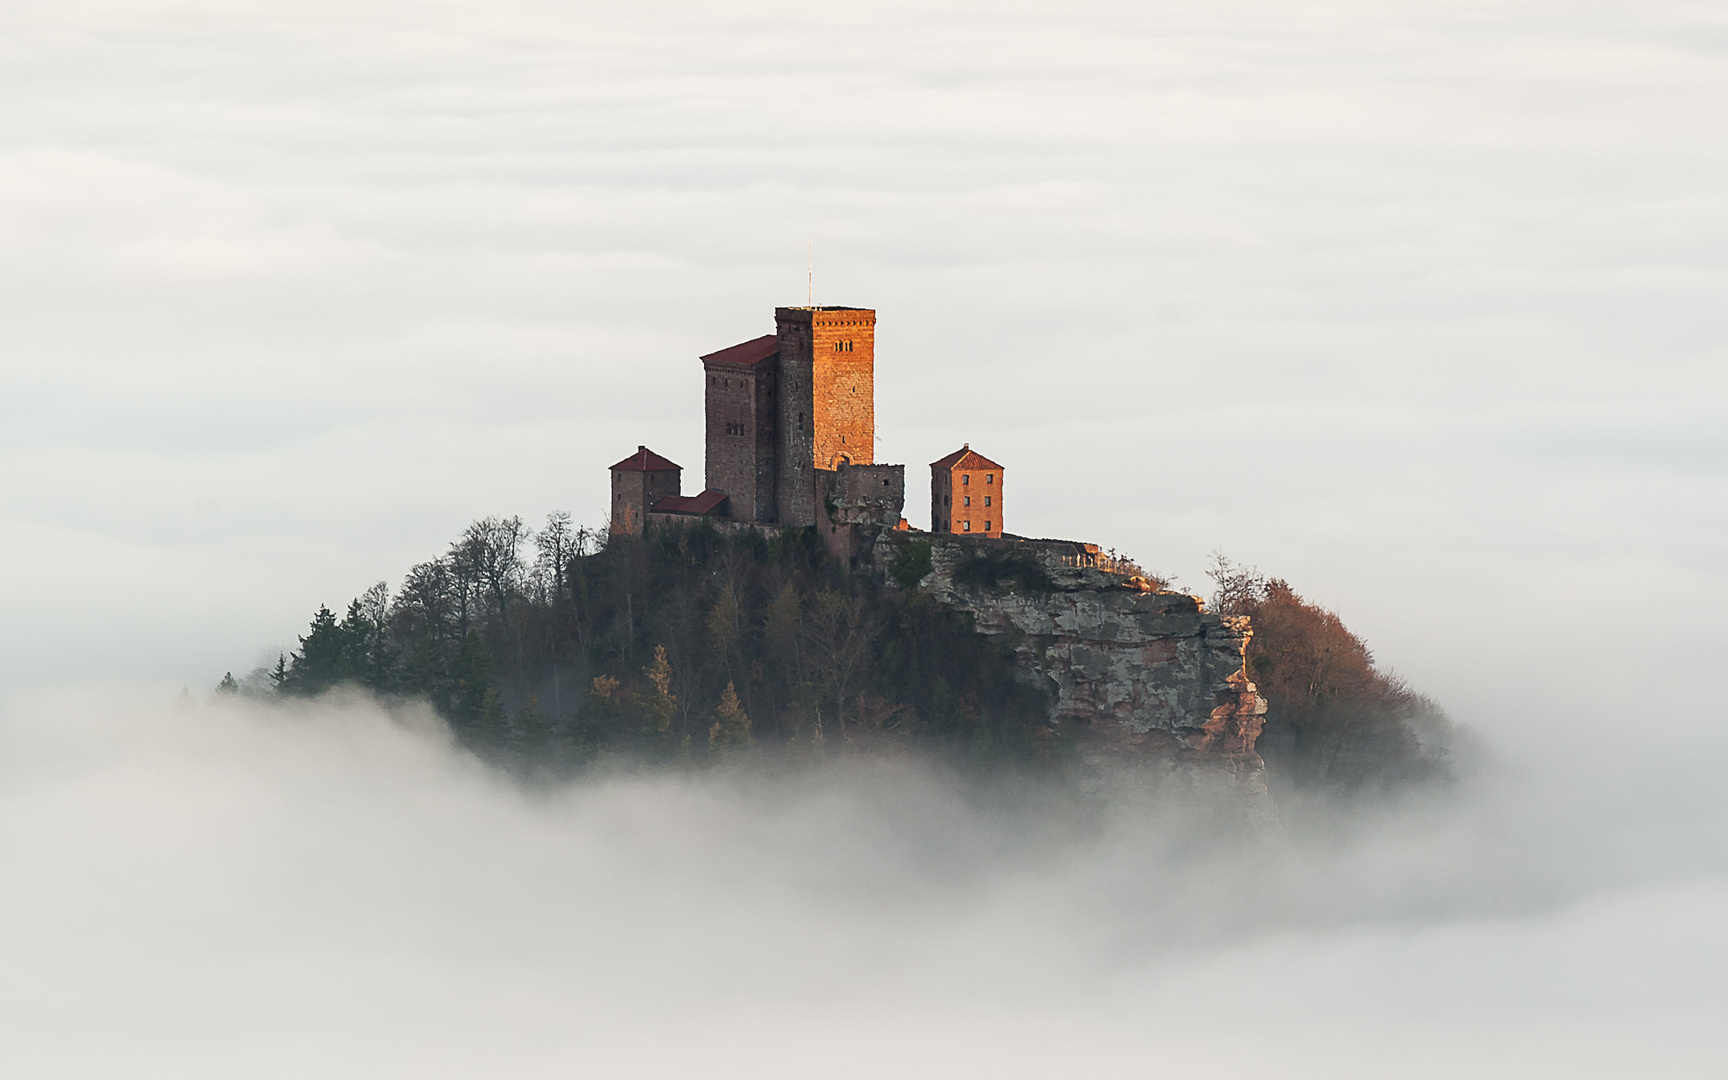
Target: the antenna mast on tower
(810, 282)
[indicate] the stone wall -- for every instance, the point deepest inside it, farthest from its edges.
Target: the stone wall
(739, 411)
(827, 401)
(857, 502)
(794, 444)
(844, 388)
(634, 491)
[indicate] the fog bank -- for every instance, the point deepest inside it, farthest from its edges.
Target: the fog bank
(251, 891)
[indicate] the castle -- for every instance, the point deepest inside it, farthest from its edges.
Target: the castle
(791, 442)
(1139, 674)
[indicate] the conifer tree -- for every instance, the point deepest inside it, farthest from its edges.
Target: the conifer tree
(425, 673)
(476, 711)
(660, 704)
(321, 660)
(228, 685)
(492, 731)
(731, 727)
(532, 733)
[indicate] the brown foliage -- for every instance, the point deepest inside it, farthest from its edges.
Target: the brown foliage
(1333, 717)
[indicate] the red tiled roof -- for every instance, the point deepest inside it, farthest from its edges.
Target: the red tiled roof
(705, 503)
(644, 460)
(965, 458)
(748, 354)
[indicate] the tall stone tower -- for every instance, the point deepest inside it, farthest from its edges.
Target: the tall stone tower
(741, 421)
(827, 400)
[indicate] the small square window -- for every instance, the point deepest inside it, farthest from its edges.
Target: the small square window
(966, 501)
(965, 526)
(986, 525)
(986, 500)
(989, 478)
(966, 478)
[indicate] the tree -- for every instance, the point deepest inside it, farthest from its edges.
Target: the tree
(840, 634)
(476, 709)
(731, 727)
(228, 685)
(725, 627)
(659, 704)
(321, 660)
(532, 732)
(1333, 716)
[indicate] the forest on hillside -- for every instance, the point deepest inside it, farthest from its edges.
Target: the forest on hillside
(549, 649)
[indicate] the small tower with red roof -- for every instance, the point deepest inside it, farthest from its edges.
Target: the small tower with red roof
(638, 482)
(966, 494)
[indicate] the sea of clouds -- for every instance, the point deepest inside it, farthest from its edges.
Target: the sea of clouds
(238, 889)
(1415, 304)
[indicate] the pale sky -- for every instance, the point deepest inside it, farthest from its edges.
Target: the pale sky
(1417, 305)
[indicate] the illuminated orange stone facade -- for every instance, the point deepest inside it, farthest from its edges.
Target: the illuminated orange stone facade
(966, 494)
(784, 415)
(827, 395)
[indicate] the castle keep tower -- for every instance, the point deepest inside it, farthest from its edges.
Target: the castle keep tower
(827, 400)
(739, 407)
(790, 434)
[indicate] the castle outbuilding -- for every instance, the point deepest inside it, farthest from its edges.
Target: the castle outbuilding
(638, 482)
(966, 494)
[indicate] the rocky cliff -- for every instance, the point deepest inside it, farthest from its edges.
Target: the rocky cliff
(1140, 677)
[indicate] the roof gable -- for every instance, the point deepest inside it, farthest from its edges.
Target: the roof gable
(748, 354)
(646, 460)
(965, 458)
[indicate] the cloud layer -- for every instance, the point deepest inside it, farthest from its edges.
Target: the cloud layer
(201, 892)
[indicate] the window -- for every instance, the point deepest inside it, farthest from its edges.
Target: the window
(986, 500)
(966, 501)
(947, 500)
(966, 479)
(989, 478)
(986, 524)
(965, 526)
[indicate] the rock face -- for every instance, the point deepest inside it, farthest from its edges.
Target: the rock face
(1140, 677)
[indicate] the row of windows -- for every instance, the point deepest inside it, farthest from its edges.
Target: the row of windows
(842, 346)
(966, 478)
(965, 500)
(714, 380)
(735, 429)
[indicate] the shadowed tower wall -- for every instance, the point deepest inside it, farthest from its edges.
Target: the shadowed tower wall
(827, 399)
(741, 422)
